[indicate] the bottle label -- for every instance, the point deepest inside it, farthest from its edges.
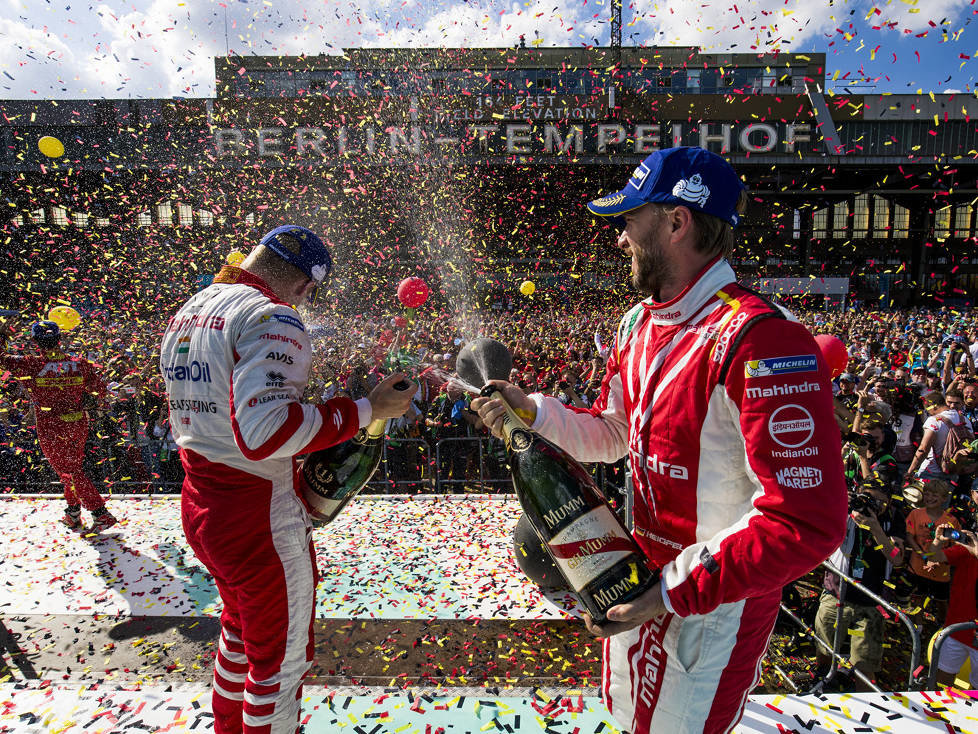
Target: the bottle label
(589, 546)
(518, 438)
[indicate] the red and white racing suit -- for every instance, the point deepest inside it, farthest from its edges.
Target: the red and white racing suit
(236, 361)
(724, 407)
(58, 387)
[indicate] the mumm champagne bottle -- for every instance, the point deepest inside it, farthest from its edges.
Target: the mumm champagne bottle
(335, 475)
(593, 550)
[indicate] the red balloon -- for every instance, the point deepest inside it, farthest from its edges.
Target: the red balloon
(412, 292)
(835, 353)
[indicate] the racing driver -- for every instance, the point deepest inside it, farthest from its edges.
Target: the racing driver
(722, 403)
(236, 359)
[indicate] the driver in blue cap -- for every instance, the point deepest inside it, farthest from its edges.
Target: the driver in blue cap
(722, 403)
(236, 360)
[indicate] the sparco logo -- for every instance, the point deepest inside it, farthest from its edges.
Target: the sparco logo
(799, 477)
(565, 510)
(791, 426)
(723, 343)
(777, 390)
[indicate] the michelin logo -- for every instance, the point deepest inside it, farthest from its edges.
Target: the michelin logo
(773, 366)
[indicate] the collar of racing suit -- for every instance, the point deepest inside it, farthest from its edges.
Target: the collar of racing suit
(715, 274)
(232, 274)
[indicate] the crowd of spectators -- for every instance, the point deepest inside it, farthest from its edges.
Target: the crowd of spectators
(905, 408)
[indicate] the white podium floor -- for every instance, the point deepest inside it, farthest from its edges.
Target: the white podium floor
(430, 569)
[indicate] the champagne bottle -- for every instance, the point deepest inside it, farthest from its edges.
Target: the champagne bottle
(592, 548)
(333, 476)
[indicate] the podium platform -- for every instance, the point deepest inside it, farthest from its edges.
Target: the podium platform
(424, 623)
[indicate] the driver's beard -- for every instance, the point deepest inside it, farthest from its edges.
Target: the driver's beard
(652, 269)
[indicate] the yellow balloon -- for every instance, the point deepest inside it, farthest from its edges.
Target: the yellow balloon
(65, 317)
(51, 147)
(527, 287)
(235, 258)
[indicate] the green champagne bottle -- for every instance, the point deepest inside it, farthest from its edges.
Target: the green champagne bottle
(333, 476)
(592, 548)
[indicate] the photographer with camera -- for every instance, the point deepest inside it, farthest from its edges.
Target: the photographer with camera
(959, 361)
(959, 549)
(873, 546)
(867, 455)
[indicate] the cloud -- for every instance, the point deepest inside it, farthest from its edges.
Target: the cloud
(743, 26)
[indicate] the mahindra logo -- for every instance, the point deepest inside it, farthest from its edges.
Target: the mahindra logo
(673, 471)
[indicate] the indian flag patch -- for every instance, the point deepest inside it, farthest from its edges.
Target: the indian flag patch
(183, 345)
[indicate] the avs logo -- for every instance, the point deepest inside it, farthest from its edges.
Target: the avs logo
(284, 319)
(279, 357)
(275, 379)
(791, 426)
(773, 366)
(799, 477)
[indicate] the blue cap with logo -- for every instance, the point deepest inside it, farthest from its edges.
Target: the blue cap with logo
(300, 247)
(46, 334)
(690, 177)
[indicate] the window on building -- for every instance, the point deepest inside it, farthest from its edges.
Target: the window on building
(665, 81)
(38, 216)
(205, 218)
(840, 220)
(962, 221)
(17, 220)
(250, 219)
(860, 219)
(144, 219)
(693, 79)
(164, 213)
(796, 225)
(820, 224)
(545, 83)
(101, 221)
(59, 216)
(901, 222)
(942, 223)
(185, 215)
(80, 219)
(438, 85)
(881, 218)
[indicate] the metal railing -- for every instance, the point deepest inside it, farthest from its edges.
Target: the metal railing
(406, 464)
(840, 633)
(935, 655)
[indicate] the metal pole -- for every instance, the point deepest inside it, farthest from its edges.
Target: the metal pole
(935, 655)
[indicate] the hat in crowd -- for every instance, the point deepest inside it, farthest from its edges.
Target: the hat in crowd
(933, 373)
(690, 177)
(847, 377)
(301, 248)
(46, 334)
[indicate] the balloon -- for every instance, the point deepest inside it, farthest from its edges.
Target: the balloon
(51, 147)
(235, 258)
(65, 317)
(527, 287)
(412, 292)
(834, 352)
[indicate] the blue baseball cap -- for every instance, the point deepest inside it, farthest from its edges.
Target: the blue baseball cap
(46, 334)
(690, 177)
(300, 247)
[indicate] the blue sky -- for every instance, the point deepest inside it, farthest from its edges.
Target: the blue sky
(163, 48)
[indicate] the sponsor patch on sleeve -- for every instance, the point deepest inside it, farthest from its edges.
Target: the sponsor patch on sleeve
(285, 319)
(773, 366)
